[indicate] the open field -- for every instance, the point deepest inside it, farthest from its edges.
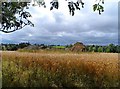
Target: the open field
(60, 70)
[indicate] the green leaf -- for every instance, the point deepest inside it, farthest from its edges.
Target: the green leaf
(51, 8)
(95, 7)
(101, 7)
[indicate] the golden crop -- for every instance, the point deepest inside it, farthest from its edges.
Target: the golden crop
(60, 70)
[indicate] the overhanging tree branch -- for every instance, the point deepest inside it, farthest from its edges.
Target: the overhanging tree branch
(15, 15)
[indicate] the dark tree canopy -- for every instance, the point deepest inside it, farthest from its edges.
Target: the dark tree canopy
(15, 15)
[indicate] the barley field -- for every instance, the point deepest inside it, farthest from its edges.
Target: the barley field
(60, 70)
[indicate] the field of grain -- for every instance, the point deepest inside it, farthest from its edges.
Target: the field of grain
(22, 69)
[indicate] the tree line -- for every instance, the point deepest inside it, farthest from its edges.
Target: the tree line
(13, 47)
(111, 48)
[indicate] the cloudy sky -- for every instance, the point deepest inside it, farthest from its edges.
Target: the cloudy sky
(59, 27)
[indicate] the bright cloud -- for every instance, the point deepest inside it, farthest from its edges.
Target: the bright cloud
(59, 27)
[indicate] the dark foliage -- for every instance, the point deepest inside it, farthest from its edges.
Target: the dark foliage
(15, 15)
(111, 48)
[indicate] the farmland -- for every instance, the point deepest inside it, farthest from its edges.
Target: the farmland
(60, 70)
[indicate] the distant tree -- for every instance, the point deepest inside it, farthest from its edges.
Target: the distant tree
(104, 48)
(111, 47)
(90, 49)
(108, 49)
(3, 48)
(23, 45)
(14, 47)
(95, 48)
(118, 49)
(8, 47)
(69, 46)
(100, 49)
(15, 14)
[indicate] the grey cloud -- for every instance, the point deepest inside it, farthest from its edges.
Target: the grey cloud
(87, 27)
